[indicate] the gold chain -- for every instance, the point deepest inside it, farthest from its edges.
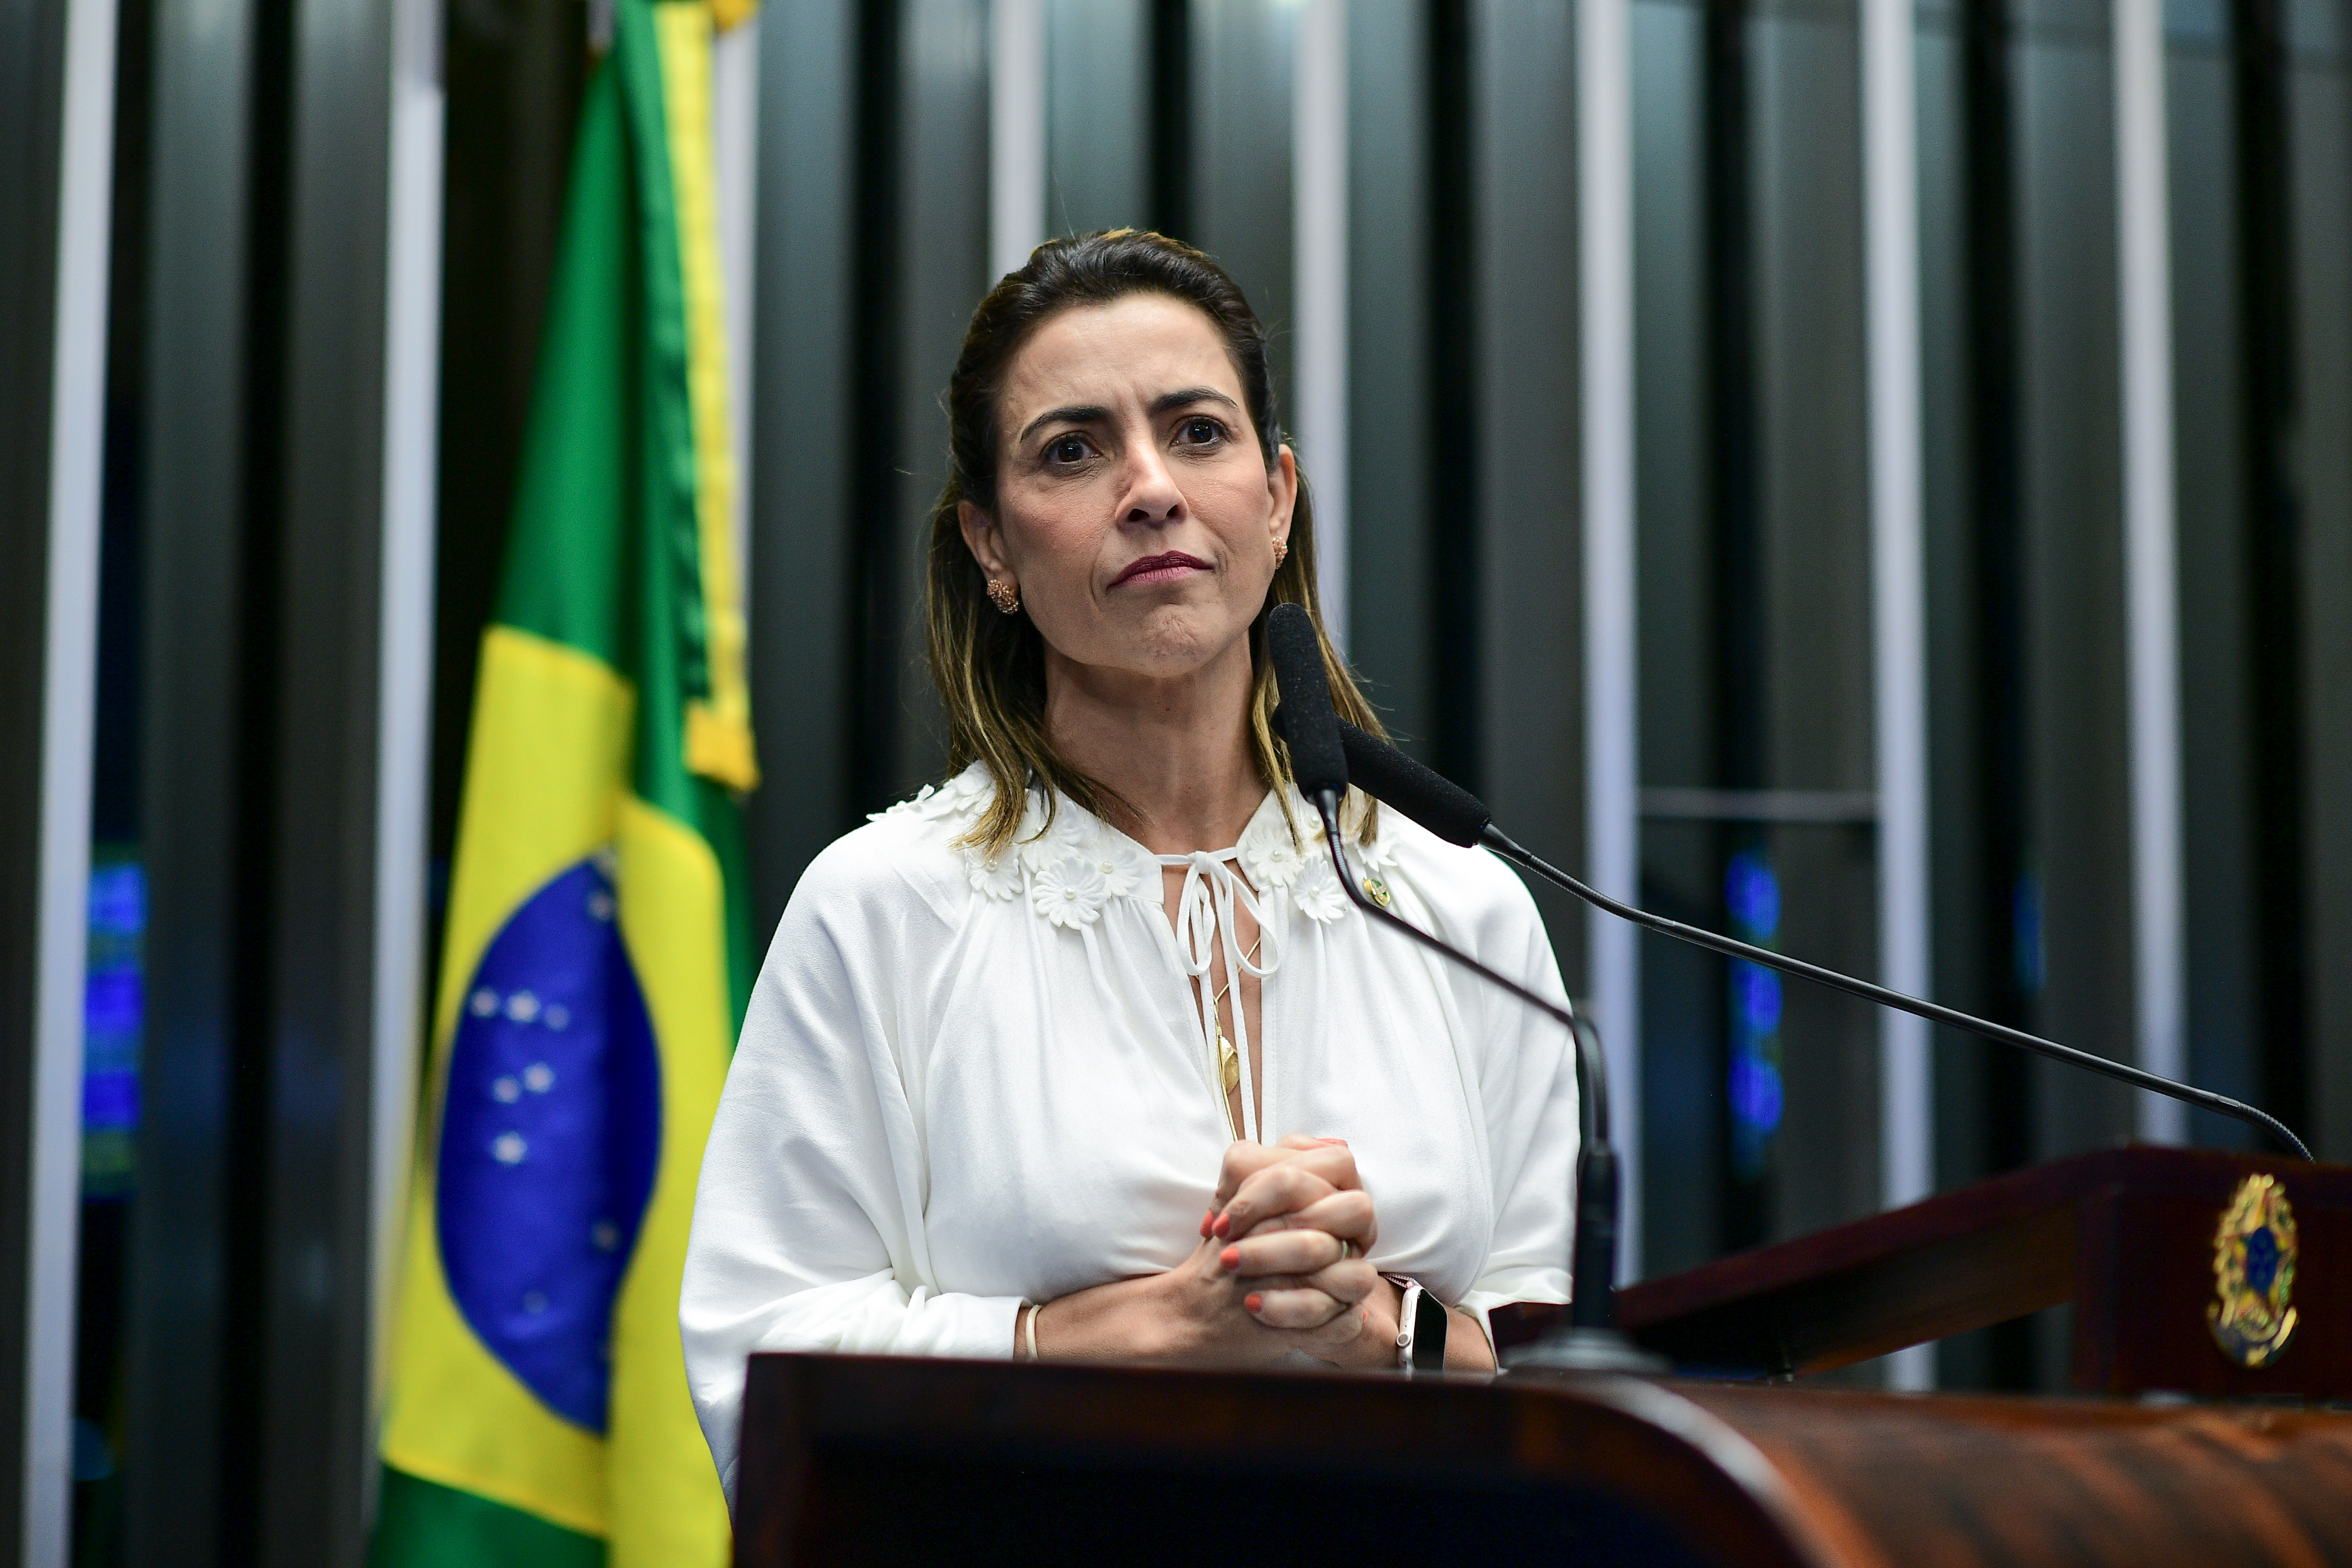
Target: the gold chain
(1228, 1060)
(1249, 957)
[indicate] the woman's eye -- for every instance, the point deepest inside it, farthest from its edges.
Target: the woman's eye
(1065, 449)
(1201, 430)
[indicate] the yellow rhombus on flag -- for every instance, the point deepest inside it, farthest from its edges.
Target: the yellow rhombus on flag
(598, 946)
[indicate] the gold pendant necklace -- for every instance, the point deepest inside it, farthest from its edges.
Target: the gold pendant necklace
(1228, 1060)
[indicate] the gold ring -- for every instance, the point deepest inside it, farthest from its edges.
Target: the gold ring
(1345, 1244)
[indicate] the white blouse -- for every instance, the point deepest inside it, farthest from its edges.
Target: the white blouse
(965, 1083)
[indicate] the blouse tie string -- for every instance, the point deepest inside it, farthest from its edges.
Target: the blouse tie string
(1204, 922)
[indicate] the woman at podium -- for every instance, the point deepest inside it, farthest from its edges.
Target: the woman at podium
(1084, 1053)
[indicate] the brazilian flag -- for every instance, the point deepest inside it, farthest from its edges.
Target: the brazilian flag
(598, 949)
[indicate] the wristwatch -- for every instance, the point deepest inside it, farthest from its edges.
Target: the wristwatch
(1421, 1328)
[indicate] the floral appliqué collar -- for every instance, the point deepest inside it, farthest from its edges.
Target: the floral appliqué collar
(1070, 868)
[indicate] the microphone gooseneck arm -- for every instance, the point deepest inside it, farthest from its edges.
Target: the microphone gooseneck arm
(1327, 806)
(1495, 838)
(1456, 815)
(1318, 743)
(1594, 1303)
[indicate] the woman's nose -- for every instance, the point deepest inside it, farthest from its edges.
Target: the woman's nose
(1152, 497)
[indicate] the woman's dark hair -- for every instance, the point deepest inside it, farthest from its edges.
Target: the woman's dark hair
(990, 668)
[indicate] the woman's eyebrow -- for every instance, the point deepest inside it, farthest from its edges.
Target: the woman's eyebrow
(1079, 415)
(1168, 401)
(1090, 414)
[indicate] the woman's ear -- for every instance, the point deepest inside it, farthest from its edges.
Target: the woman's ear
(979, 537)
(1282, 488)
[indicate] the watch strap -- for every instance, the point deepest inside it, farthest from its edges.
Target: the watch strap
(1408, 1300)
(1420, 1327)
(1430, 1322)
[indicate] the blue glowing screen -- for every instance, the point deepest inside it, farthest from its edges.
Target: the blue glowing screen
(1751, 897)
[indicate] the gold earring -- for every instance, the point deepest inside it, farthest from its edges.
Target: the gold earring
(1004, 596)
(1281, 553)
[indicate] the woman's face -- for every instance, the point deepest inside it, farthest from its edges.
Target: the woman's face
(1132, 508)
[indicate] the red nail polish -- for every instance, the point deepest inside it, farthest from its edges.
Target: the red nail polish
(1230, 1258)
(1254, 1301)
(1225, 1226)
(1207, 1220)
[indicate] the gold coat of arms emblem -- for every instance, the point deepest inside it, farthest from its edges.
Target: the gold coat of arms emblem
(2253, 1274)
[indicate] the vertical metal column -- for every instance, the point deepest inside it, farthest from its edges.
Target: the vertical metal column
(1605, 287)
(412, 408)
(1898, 609)
(302, 1152)
(2151, 592)
(1392, 638)
(1016, 133)
(1521, 309)
(192, 602)
(930, 266)
(1452, 362)
(1320, 279)
(2265, 65)
(285, 629)
(83, 195)
(876, 158)
(804, 562)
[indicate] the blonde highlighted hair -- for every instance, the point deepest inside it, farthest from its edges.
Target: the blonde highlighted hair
(990, 667)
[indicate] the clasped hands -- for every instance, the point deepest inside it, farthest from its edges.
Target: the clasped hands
(1285, 1244)
(1280, 1267)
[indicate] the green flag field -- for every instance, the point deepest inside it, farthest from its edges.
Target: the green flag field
(598, 944)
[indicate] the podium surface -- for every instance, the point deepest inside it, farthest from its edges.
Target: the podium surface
(2126, 1235)
(874, 1460)
(2181, 1266)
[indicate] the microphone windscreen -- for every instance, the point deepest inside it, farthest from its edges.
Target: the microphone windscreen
(1429, 798)
(1305, 720)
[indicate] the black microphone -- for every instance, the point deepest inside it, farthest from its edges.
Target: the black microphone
(1454, 814)
(1305, 720)
(1311, 730)
(1424, 794)
(1321, 764)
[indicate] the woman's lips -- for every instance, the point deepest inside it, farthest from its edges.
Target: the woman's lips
(1164, 568)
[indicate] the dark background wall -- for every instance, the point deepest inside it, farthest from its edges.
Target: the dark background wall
(1755, 593)
(224, 1292)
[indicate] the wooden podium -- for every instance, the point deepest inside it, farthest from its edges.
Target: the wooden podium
(2126, 1235)
(872, 1461)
